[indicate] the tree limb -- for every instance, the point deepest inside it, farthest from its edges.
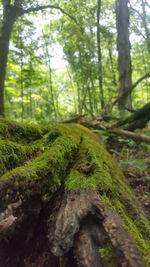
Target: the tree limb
(135, 10)
(133, 86)
(134, 136)
(6, 3)
(147, 4)
(115, 101)
(38, 8)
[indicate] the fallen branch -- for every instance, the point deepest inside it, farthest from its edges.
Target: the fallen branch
(76, 119)
(134, 136)
(138, 120)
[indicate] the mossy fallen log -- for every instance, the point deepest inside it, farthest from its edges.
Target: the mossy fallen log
(65, 202)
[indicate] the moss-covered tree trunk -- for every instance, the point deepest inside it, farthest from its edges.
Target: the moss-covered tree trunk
(64, 202)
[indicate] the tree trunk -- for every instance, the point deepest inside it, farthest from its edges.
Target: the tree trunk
(145, 24)
(64, 202)
(99, 55)
(9, 18)
(123, 47)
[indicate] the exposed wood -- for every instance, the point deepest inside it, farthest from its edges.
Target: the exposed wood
(128, 255)
(82, 223)
(78, 226)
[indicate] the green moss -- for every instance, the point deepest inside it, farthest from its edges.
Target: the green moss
(22, 132)
(50, 166)
(131, 226)
(102, 166)
(13, 154)
(108, 256)
(3, 129)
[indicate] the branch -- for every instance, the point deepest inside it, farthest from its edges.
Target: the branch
(147, 4)
(133, 86)
(115, 101)
(137, 120)
(136, 11)
(139, 32)
(134, 136)
(5, 3)
(38, 8)
(139, 80)
(76, 119)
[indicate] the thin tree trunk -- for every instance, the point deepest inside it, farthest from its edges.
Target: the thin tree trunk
(114, 81)
(124, 58)
(95, 102)
(147, 31)
(21, 82)
(30, 103)
(80, 105)
(9, 18)
(90, 98)
(73, 90)
(99, 55)
(50, 82)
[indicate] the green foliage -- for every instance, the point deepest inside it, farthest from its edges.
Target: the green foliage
(136, 164)
(35, 90)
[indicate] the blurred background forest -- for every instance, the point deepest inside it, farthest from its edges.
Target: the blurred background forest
(64, 61)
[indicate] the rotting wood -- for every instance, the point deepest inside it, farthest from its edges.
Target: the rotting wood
(82, 223)
(128, 254)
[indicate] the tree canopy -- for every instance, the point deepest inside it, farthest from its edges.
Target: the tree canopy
(86, 35)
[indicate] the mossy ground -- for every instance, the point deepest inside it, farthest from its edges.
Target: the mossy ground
(72, 156)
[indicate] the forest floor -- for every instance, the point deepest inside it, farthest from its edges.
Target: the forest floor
(134, 160)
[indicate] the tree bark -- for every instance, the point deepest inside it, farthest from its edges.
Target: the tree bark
(9, 17)
(124, 58)
(99, 55)
(145, 23)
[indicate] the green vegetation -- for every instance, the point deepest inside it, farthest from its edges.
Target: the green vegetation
(40, 87)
